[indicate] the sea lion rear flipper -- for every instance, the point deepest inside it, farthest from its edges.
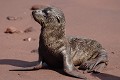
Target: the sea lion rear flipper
(96, 65)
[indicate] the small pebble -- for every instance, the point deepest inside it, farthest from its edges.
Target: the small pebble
(113, 52)
(35, 7)
(12, 30)
(30, 29)
(34, 51)
(18, 74)
(12, 18)
(29, 39)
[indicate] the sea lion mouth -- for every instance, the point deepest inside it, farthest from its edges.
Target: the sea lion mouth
(33, 14)
(42, 23)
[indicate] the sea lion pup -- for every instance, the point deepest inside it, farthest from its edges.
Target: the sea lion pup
(57, 50)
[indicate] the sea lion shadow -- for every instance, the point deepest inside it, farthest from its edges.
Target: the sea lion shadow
(20, 63)
(17, 63)
(23, 64)
(105, 76)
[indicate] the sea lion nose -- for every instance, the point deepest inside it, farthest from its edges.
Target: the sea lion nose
(33, 12)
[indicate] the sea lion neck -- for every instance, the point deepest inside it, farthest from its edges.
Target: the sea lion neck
(51, 35)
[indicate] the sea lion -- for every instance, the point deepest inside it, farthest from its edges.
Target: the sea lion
(59, 51)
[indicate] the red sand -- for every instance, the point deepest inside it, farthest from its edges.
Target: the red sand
(96, 19)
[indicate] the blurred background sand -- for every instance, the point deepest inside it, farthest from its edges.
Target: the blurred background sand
(95, 19)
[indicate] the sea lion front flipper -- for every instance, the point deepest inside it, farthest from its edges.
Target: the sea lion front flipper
(37, 67)
(69, 67)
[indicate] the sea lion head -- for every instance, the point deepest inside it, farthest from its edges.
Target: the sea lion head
(49, 16)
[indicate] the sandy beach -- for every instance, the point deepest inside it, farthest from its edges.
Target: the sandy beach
(95, 19)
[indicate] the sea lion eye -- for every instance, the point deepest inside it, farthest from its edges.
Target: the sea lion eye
(58, 19)
(45, 12)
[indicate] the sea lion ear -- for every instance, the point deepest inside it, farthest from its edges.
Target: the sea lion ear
(58, 19)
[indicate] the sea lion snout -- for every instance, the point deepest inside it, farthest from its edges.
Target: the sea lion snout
(37, 12)
(38, 16)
